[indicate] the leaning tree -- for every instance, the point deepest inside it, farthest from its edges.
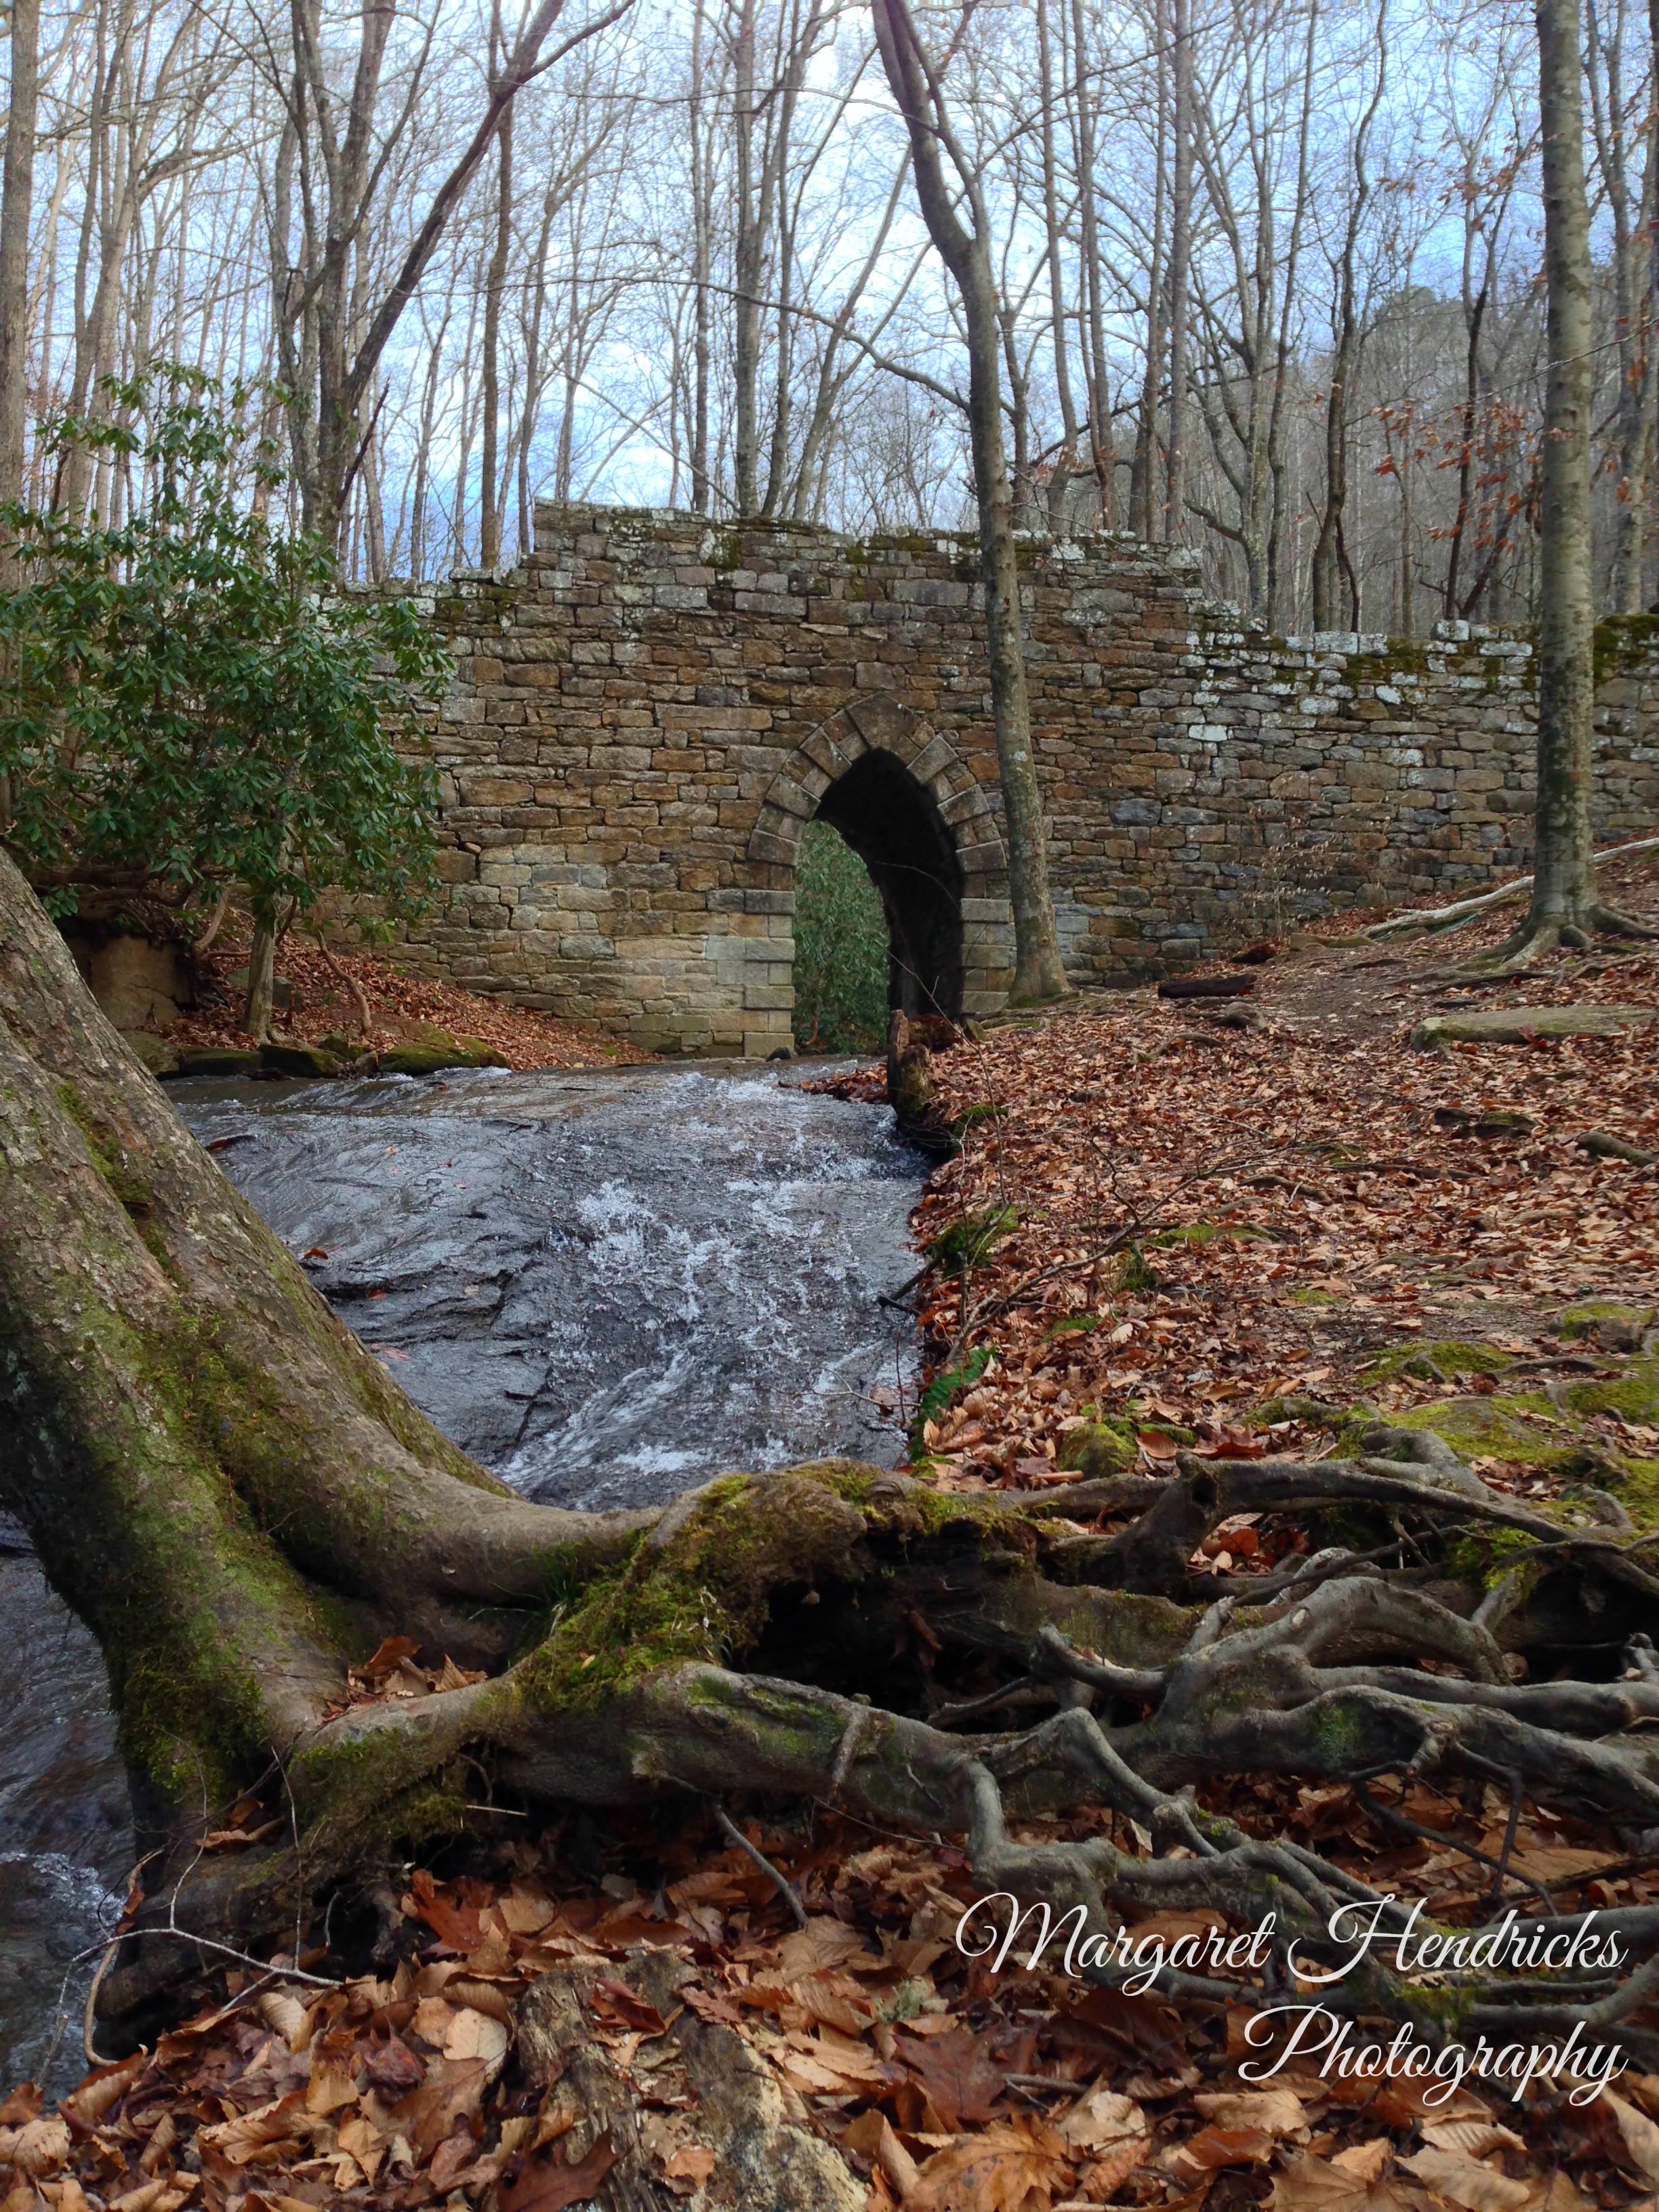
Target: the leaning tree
(228, 1490)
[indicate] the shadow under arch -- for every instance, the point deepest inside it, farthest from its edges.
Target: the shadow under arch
(914, 813)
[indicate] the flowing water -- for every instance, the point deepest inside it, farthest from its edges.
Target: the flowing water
(606, 1284)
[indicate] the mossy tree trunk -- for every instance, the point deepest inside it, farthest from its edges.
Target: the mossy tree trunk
(224, 1485)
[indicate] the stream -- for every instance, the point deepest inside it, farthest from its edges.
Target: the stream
(606, 1284)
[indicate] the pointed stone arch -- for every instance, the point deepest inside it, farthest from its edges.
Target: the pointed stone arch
(909, 805)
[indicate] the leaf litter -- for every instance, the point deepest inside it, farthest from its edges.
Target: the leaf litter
(1206, 1244)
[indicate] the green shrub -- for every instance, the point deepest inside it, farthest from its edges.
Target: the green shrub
(189, 702)
(840, 949)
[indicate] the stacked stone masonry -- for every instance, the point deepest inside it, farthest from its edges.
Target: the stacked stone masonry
(645, 715)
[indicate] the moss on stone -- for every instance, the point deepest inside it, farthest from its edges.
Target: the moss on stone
(1099, 1448)
(1525, 1427)
(1624, 642)
(1596, 1316)
(1633, 1397)
(1438, 1362)
(1313, 1296)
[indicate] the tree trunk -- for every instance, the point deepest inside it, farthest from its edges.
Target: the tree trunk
(493, 482)
(227, 1488)
(1563, 874)
(1038, 974)
(16, 199)
(261, 971)
(1180, 236)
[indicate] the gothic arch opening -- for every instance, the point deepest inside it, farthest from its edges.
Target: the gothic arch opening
(892, 822)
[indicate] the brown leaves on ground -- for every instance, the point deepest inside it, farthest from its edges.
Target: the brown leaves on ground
(401, 1003)
(946, 2088)
(1203, 1222)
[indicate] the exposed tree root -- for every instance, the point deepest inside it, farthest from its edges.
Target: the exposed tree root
(1416, 921)
(236, 1499)
(1534, 942)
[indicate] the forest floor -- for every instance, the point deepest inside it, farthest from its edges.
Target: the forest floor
(1187, 1221)
(403, 1007)
(1180, 1237)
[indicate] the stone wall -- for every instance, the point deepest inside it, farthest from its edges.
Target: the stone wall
(646, 713)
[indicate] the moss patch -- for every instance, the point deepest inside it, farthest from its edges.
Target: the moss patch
(1100, 1448)
(1633, 1397)
(1526, 1428)
(700, 1594)
(967, 1240)
(1207, 1232)
(1436, 1363)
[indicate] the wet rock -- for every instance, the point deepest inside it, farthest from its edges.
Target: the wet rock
(155, 1053)
(217, 1059)
(297, 1060)
(433, 1050)
(607, 1286)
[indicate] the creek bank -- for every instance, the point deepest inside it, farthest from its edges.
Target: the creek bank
(608, 1284)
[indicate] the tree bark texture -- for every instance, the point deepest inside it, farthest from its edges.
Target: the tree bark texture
(1038, 973)
(17, 193)
(1563, 876)
(231, 1493)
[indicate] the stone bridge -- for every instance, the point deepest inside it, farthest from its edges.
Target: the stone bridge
(647, 714)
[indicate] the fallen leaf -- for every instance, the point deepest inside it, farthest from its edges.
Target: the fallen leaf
(1276, 2111)
(1367, 2162)
(331, 2086)
(691, 2162)
(1104, 2118)
(365, 2142)
(1474, 2138)
(454, 1923)
(1215, 2146)
(617, 1999)
(41, 2147)
(872, 2136)
(392, 2066)
(236, 2142)
(1463, 2181)
(453, 2089)
(1313, 2185)
(103, 2087)
(475, 2034)
(823, 1943)
(283, 2015)
(1641, 2138)
(387, 1657)
(547, 2183)
(1003, 2169)
(962, 2081)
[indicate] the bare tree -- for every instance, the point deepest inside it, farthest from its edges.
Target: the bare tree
(16, 203)
(964, 250)
(315, 293)
(1564, 906)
